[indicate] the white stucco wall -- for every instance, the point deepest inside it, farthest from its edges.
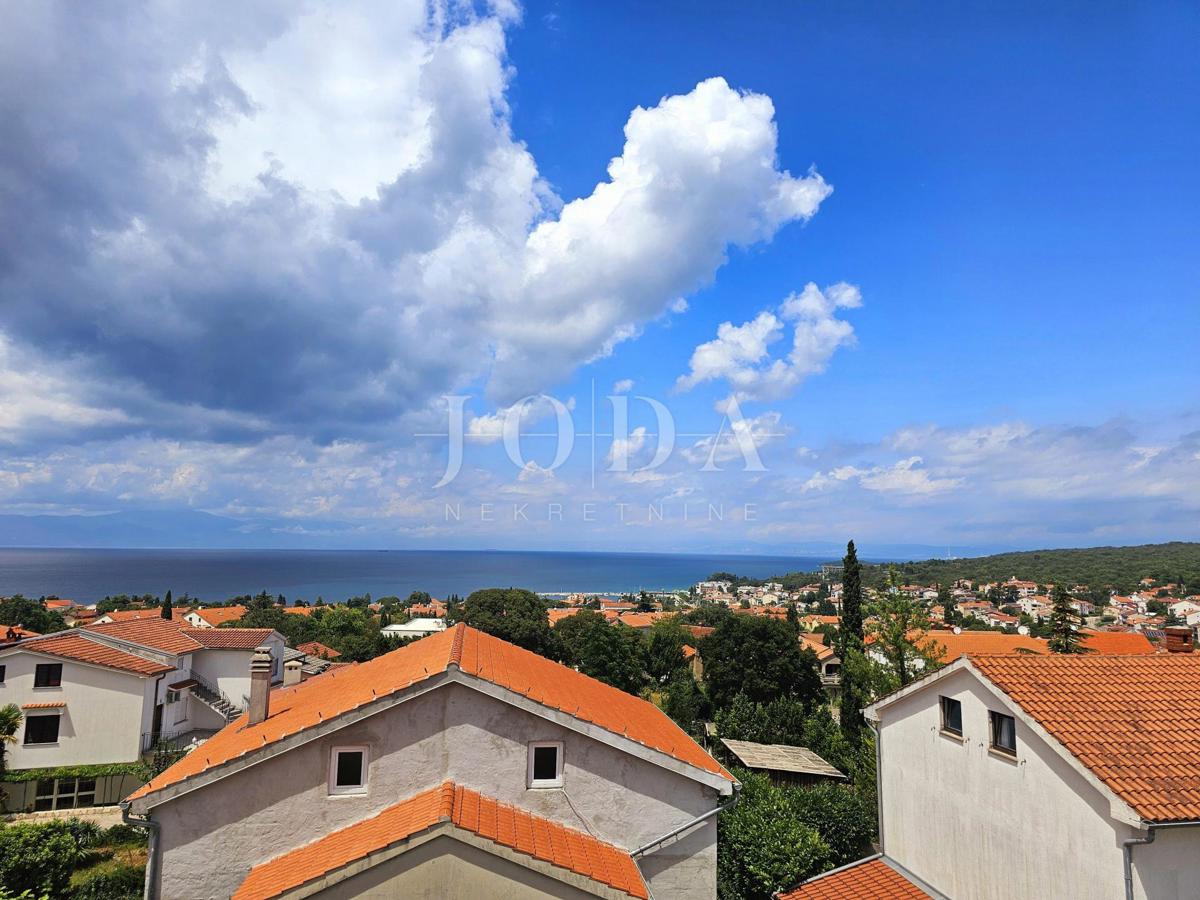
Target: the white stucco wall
(103, 719)
(212, 837)
(975, 824)
(229, 670)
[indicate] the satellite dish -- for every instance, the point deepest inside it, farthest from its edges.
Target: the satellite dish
(957, 630)
(1022, 629)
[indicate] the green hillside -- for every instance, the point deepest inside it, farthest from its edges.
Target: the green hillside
(1120, 567)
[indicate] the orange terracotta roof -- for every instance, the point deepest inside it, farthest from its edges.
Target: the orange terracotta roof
(59, 604)
(688, 651)
(60, 704)
(1134, 721)
(969, 643)
(1116, 643)
(218, 615)
(79, 648)
(475, 653)
(158, 633)
(816, 645)
(18, 631)
(872, 879)
(505, 825)
(557, 615)
(639, 620)
(131, 615)
(316, 648)
(301, 610)
(229, 638)
(700, 631)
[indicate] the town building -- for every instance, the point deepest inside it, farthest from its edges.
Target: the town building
(458, 765)
(107, 693)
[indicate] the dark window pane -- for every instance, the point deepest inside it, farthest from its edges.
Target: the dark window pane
(41, 729)
(545, 763)
(1004, 733)
(45, 787)
(87, 784)
(952, 715)
(1, 674)
(41, 804)
(349, 769)
(86, 800)
(65, 802)
(48, 675)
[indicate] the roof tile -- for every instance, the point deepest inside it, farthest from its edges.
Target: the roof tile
(79, 648)
(476, 653)
(871, 879)
(1134, 721)
(505, 825)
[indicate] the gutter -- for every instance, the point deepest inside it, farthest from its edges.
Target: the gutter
(658, 842)
(876, 727)
(1128, 844)
(150, 891)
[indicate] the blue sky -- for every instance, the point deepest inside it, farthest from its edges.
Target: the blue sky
(255, 250)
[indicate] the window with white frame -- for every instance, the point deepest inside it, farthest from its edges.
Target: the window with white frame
(545, 764)
(348, 770)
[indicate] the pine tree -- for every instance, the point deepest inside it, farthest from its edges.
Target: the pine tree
(851, 640)
(168, 609)
(1064, 622)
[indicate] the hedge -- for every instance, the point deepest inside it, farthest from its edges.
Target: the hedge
(137, 769)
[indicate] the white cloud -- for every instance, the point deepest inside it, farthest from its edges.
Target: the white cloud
(742, 439)
(741, 353)
(624, 386)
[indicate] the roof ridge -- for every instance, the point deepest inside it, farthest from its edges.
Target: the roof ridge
(446, 805)
(456, 647)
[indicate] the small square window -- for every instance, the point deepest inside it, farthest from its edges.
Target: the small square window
(47, 675)
(952, 716)
(41, 729)
(1004, 733)
(545, 764)
(348, 770)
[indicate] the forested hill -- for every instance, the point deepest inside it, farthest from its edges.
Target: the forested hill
(1121, 567)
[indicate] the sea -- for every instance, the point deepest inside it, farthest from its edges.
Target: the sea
(87, 576)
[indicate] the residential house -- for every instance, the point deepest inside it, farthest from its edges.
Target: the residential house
(213, 616)
(414, 628)
(455, 766)
(102, 694)
(127, 615)
(828, 662)
(1101, 805)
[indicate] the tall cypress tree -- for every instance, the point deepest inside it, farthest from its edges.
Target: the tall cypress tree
(851, 640)
(1064, 622)
(167, 607)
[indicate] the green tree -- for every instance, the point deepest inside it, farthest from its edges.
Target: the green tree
(760, 657)
(168, 610)
(844, 819)
(31, 614)
(613, 654)
(684, 702)
(782, 721)
(1064, 623)
(295, 629)
(949, 606)
(851, 639)
(664, 648)
(10, 722)
(899, 631)
(511, 614)
(763, 847)
(38, 857)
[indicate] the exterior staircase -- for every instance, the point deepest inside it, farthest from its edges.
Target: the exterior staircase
(215, 700)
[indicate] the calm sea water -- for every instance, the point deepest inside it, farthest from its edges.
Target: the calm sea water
(89, 575)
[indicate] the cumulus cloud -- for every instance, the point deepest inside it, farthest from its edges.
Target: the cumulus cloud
(902, 477)
(741, 354)
(317, 219)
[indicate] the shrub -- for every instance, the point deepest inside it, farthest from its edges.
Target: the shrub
(845, 820)
(121, 834)
(122, 882)
(38, 858)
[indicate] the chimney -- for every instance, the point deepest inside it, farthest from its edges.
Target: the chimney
(260, 684)
(1179, 640)
(291, 672)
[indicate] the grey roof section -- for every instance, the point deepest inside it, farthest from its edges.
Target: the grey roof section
(781, 758)
(309, 665)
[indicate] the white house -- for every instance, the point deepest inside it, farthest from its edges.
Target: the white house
(415, 628)
(457, 766)
(104, 693)
(1027, 776)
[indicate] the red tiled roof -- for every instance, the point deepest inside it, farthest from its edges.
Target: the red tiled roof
(79, 648)
(1134, 721)
(971, 643)
(475, 653)
(301, 610)
(1116, 643)
(176, 636)
(229, 638)
(316, 648)
(872, 879)
(158, 633)
(505, 825)
(132, 615)
(557, 615)
(219, 615)
(59, 704)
